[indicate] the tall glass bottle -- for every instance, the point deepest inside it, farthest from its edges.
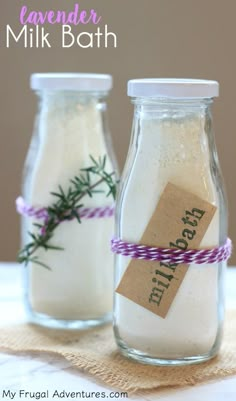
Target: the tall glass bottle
(71, 125)
(172, 141)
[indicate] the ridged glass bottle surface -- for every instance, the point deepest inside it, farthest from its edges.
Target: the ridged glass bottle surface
(77, 292)
(172, 141)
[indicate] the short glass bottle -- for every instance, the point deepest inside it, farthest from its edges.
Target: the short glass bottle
(172, 141)
(70, 126)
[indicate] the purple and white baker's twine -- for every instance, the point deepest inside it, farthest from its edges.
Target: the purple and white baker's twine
(172, 255)
(42, 214)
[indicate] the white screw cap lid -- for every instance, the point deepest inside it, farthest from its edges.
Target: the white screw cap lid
(173, 88)
(72, 82)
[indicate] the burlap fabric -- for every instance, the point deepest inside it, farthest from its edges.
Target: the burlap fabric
(95, 352)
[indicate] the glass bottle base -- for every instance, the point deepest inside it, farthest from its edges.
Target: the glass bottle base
(60, 324)
(155, 361)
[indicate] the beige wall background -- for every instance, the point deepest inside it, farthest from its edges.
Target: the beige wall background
(156, 38)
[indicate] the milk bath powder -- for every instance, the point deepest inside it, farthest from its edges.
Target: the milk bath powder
(172, 141)
(71, 126)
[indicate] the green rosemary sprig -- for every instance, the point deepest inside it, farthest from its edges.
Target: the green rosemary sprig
(66, 207)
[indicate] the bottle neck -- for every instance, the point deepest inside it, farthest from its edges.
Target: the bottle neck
(183, 118)
(171, 108)
(84, 112)
(174, 132)
(70, 114)
(70, 99)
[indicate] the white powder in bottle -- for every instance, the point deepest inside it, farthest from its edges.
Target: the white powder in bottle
(79, 286)
(176, 151)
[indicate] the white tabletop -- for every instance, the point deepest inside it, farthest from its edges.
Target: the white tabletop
(35, 373)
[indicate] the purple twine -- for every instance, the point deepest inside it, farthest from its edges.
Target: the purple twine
(172, 255)
(42, 214)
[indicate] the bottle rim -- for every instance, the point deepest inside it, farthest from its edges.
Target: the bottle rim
(84, 82)
(173, 88)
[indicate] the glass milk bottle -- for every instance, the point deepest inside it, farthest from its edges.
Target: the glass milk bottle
(172, 141)
(76, 290)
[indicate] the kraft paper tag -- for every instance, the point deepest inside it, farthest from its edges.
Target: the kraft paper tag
(180, 221)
